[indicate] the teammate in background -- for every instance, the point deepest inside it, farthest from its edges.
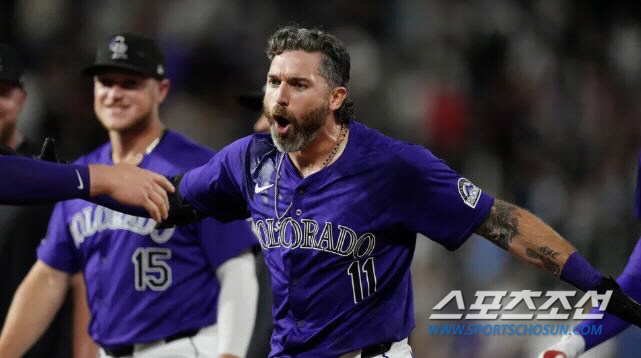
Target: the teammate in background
(12, 99)
(27, 181)
(254, 102)
(185, 292)
(572, 346)
(22, 228)
(337, 207)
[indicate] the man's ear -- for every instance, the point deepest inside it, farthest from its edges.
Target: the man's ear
(163, 89)
(337, 97)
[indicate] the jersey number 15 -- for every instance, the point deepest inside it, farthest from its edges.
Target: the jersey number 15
(151, 269)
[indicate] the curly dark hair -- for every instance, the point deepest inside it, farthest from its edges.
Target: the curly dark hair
(335, 63)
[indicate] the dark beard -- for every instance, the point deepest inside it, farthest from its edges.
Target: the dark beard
(303, 131)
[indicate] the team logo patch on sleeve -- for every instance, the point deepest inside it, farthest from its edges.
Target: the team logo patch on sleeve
(469, 192)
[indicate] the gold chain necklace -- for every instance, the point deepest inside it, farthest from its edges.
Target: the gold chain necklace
(341, 136)
(332, 154)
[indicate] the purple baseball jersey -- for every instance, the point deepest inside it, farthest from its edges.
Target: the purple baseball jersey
(143, 284)
(339, 243)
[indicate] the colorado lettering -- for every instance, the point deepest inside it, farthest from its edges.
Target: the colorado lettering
(309, 234)
(93, 219)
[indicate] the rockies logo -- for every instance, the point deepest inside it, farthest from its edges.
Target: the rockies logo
(469, 192)
(118, 48)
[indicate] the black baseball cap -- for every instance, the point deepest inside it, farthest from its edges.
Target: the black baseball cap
(11, 68)
(129, 52)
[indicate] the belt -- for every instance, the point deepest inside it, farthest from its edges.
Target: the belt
(128, 349)
(375, 349)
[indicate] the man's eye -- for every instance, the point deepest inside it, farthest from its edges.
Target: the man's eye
(273, 82)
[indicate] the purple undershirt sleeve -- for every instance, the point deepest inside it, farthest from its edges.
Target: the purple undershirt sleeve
(30, 181)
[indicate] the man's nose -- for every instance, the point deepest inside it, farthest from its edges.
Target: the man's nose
(282, 95)
(114, 92)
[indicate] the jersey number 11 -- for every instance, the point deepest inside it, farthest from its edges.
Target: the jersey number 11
(354, 270)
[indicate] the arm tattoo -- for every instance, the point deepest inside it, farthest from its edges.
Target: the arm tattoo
(501, 225)
(547, 256)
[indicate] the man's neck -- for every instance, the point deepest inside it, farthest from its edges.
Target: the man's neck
(125, 144)
(310, 159)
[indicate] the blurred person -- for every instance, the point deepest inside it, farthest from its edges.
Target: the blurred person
(253, 101)
(22, 228)
(337, 207)
(186, 292)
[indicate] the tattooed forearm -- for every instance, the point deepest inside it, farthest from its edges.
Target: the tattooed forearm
(547, 256)
(501, 226)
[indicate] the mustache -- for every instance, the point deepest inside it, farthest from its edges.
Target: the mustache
(277, 110)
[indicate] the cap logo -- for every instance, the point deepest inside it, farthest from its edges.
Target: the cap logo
(160, 70)
(118, 48)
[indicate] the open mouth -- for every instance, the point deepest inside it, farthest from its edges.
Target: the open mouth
(282, 124)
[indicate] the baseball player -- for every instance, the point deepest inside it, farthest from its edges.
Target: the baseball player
(337, 207)
(25, 181)
(572, 346)
(185, 292)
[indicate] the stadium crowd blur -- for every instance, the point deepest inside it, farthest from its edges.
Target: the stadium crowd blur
(537, 102)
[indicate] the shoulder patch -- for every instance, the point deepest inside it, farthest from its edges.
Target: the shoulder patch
(469, 192)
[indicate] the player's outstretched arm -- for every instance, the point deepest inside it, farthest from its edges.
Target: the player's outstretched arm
(236, 305)
(526, 236)
(34, 305)
(29, 181)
